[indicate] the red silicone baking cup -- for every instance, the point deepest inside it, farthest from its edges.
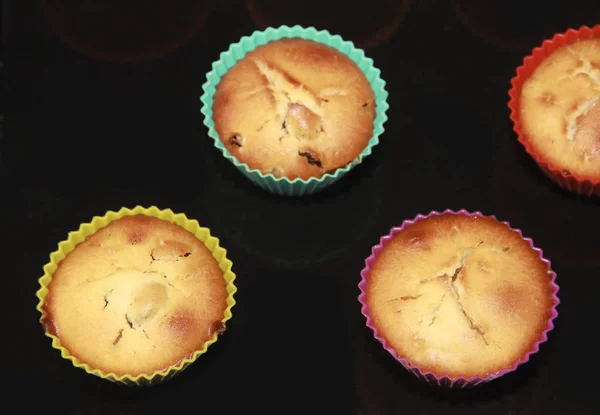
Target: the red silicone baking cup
(567, 180)
(430, 377)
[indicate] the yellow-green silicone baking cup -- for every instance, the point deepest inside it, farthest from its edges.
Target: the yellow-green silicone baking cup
(283, 185)
(87, 229)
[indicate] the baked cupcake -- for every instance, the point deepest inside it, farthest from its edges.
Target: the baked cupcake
(555, 108)
(136, 298)
(458, 298)
(294, 109)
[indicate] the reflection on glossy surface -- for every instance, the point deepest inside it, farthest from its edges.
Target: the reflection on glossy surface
(314, 228)
(555, 217)
(128, 31)
(366, 24)
(513, 25)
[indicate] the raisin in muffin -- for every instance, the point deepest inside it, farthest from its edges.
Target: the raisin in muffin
(559, 111)
(294, 108)
(136, 297)
(460, 296)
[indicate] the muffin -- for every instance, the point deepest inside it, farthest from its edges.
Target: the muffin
(559, 108)
(554, 108)
(136, 297)
(458, 296)
(294, 108)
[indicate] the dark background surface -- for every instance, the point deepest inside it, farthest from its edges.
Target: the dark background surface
(102, 111)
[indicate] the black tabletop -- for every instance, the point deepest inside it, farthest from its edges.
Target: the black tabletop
(101, 105)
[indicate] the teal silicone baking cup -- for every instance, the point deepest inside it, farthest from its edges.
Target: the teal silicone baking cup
(283, 185)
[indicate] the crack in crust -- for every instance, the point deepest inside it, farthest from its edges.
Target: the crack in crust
(436, 310)
(134, 323)
(283, 86)
(118, 338)
(404, 298)
(456, 296)
(586, 68)
(106, 298)
(295, 96)
(310, 159)
(579, 113)
(451, 282)
(298, 107)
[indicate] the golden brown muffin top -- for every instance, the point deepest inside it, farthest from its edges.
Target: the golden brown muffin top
(559, 108)
(460, 296)
(137, 296)
(294, 108)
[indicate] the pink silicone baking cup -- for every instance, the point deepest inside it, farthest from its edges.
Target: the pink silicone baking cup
(567, 180)
(430, 377)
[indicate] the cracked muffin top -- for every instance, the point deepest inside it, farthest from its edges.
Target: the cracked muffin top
(559, 109)
(459, 296)
(294, 108)
(137, 296)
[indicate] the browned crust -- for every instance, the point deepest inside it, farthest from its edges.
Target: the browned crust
(559, 112)
(143, 290)
(500, 292)
(294, 108)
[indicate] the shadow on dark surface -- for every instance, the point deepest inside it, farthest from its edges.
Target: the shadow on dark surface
(98, 394)
(392, 387)
(556, 213)
(266, 348)
(335, 218)
(291, 342)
